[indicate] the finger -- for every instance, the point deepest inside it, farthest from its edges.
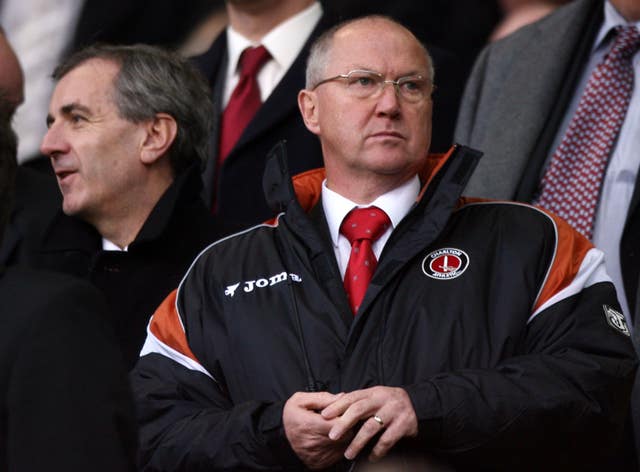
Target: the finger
(384, 444)
(359, 411)
(316, 400)
(340, 405)
(367, 431)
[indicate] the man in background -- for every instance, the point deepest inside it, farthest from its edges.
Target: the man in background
(128, 127)
(255, 69)
(64, 400)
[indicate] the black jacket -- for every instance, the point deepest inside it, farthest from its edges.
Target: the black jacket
(511, 355)
(65, 405)
(136, 281)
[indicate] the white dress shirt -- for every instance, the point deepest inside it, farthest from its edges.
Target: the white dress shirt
(396, 204)
(622, 169)
(284, 43)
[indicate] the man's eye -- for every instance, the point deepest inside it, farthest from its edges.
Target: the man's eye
(412, 86)
(77, 118)
(362, 81)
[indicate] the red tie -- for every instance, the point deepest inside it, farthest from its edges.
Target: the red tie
(245, 99)
(571, 184)
(361, 227)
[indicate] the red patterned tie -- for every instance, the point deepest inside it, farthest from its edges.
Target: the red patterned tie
(245, 99)
(571, 184)
(361, 227)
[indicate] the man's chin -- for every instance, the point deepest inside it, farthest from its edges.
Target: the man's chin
(71, 207)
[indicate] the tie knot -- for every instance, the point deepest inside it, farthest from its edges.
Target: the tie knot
(627, 41)
(364, 223)
(252, 59)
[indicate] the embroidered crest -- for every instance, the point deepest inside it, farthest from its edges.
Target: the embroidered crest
(616, 320)
(446, 263)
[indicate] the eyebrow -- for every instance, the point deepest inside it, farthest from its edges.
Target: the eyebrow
(411, 73)
(67, 110)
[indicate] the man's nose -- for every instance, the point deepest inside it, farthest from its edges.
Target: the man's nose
(388, 102)
(53, 142)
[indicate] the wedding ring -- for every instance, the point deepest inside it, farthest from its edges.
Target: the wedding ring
(378, 420)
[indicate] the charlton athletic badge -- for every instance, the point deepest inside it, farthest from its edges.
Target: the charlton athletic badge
(445, 264)
(616, 320)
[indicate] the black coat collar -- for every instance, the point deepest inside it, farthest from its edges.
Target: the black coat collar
(69, 233)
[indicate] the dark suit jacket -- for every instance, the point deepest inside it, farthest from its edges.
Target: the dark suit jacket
(239, 198)
(64, 400)
(514, 102)
(133, 282)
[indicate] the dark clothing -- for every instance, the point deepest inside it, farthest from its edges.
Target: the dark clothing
(136, 281)
(160, 22)
(238, 203)
(36, 200)
(503, 346)
(515, 101)
(65, 405)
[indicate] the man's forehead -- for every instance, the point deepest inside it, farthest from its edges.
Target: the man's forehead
(371, 41)
(90, 81)
(102, 70)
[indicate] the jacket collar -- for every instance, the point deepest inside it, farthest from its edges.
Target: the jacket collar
(450, 170)
(444, 176)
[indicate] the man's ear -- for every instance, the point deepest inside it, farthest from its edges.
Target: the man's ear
(160, 133)
(308, 104)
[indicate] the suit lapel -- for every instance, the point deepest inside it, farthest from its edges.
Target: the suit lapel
(283, 100)
(526, 75)
(580, 40)
(213, 65)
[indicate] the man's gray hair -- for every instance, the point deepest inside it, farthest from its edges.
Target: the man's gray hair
(319, 54)
(152, 80)
(8, 163)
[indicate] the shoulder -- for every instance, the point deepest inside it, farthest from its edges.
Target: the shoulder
(209, 61)
(51, 296)
(524, 226)
(561, 25)
(530, 229)
(226, 255)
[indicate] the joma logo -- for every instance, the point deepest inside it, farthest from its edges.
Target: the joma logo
(251, 285)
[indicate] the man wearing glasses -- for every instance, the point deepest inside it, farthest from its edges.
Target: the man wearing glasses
(382, 317)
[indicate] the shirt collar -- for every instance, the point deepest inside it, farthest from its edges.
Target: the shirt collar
(109, 246)
(396, 204)
(284, 42)
(612, 18)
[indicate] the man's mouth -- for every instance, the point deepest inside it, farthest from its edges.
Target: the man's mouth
(63, 174)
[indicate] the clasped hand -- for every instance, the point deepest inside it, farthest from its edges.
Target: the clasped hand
(322, 427)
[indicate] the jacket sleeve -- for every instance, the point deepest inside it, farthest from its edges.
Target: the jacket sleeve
(186, 419)
(563, 399)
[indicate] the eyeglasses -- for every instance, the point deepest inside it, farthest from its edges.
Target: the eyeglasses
(369, 84)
